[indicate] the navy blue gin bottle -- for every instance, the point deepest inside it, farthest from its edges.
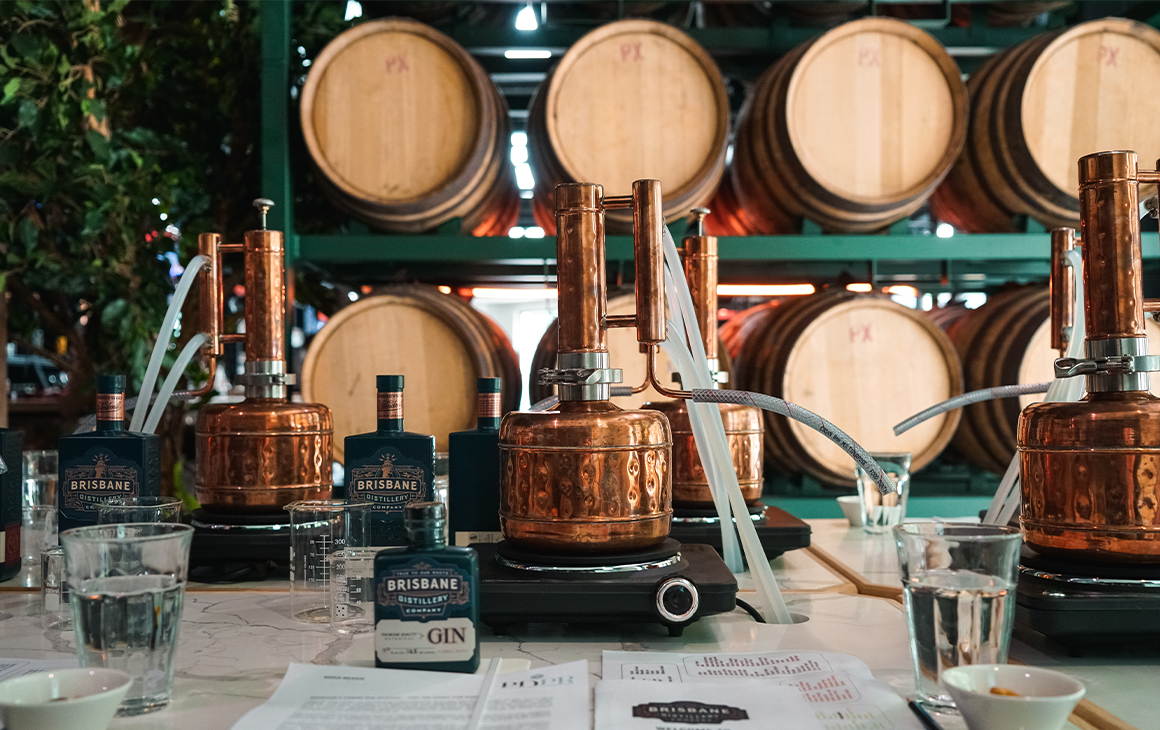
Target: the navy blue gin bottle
(427, 599)
(473, 472)
(389, 467)
(105, 463)
(11, 509)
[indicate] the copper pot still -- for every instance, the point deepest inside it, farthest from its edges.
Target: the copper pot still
(264, 452)
(743, 424)
(587, 476)
(1090, 470)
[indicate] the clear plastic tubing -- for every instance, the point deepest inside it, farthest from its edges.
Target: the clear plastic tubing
(175, 373)
(163, 339)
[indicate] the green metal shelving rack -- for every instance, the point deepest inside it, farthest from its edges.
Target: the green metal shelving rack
(961, 262)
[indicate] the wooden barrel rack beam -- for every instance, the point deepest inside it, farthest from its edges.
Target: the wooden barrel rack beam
(409, 132)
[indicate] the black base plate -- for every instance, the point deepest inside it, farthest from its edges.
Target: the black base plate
(511, 596)
(235, 548)
(1077, 613)
(778, 530)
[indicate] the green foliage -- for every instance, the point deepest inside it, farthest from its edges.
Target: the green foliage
(104, 107)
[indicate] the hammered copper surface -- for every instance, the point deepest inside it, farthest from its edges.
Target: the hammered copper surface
(1091, 476)
(1110, 229)
(585, 477)
(580, 275)
(1062, 289)
(743, 431)
(262, 454)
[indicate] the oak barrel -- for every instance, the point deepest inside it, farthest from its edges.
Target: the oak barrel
(1038, 107)
(623, 352)
(439, 343)
(408, 131)
(852, 130)
(630, 100)
(860, 361)
(1007, 341)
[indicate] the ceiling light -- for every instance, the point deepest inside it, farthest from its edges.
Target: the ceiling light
(764, 290)
(526, 19)
(860, 287)
(513, 294)
(527, 53)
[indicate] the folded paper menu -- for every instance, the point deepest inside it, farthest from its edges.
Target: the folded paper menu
(840, 690)
(312, 697)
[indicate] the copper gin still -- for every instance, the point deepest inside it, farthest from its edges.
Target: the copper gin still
(588, 476)
(265, 452)
(1090, 470)
(743, 424)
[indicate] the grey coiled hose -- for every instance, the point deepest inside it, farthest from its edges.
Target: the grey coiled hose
(803, 416)
(966, 399)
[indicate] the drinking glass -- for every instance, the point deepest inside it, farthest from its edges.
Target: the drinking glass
(959, 592)
(55, 612)
(352, 589)
(37, 532)
(39, 473)
(139, 509)
(319, 527)
(127, 589)
(881, 511)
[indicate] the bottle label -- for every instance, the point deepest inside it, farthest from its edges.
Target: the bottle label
(488, 405)
(421, 590)
(110, 406)
(452, 640)
(390, 405)
(412, 624)
(388, 480)
(95, 478)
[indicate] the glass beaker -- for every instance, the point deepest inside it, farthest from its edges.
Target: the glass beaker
(39, 473)
(319, 527)
(352, 589)
(881, 511)
(121, 510)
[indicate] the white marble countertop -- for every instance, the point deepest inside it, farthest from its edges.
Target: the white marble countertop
(235, 646)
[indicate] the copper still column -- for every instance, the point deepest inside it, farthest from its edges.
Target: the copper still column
(588, 476)
(262, 453)
(1090, 471)
(743, 424)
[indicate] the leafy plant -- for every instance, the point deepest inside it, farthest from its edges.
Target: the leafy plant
(126, 128)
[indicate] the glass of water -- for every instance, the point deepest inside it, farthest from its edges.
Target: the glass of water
(959, 590)
(881, 511)
(39, 474)
(37, 532)
(127, 586)
(55, 613)
(318, 528)
(139, 509)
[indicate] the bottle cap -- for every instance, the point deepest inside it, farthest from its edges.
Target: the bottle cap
(389, 383)
(424, 514)
(488, 385)
(110, 383)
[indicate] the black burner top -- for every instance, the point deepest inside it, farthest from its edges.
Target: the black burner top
(667, 553)
(778, 530)
(228, 548)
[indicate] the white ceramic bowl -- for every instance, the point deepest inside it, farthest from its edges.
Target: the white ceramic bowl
(63, 699)
(852, 508)
(1047, 697)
